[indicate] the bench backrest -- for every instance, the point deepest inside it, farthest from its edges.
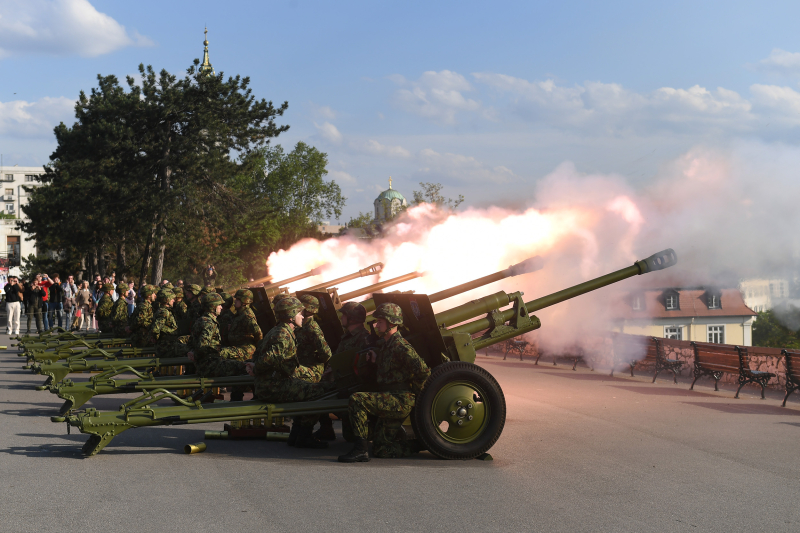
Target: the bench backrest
(634, 347)
(792, 365)
(717, 357)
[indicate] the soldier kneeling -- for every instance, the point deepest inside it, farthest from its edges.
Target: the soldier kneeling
(400, 374)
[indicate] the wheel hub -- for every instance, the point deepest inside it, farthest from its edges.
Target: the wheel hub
(457, 415)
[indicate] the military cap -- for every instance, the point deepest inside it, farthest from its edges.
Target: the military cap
(122, 288)
(109, 287)
(178, 291)
(278, 298)
(245, 295)
(288, 307)
(167, 285)
(147, 290)
(389, 312)
(354, 311)
(206, 290)
(164, 295)
(211, 300)
(193, 288)
(311, 303)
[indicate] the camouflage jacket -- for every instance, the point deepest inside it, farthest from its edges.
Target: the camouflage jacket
(398, 364)
(142, 317)
(193, 312)
(119, 317)
(164, 329)
(179, 310)
(277, 352)
(205, 341)
(312, 348)
(224, 320)
(244, 329)
(356, 340)
(103, 313)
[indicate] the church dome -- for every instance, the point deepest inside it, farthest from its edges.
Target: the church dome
(388, 204)
(391, 194)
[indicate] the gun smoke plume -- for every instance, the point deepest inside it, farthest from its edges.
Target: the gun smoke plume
(728, 214)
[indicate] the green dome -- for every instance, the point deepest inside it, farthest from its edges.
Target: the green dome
(391, 194)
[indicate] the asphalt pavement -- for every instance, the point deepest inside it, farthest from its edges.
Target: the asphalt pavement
(580, 452)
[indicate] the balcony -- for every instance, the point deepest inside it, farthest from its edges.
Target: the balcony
(8, 197)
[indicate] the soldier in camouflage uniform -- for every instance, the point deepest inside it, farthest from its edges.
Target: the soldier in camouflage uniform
(104, 306)
(142, 317)
(275, 362)
(312, 348)
(163, 332)
(400, 375)
(226, 317)
(355, 338)
(195, 308)
(179, 309)
(206, 345)
(244, 333)
(119, 312)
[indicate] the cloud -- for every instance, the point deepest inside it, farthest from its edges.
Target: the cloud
(61, 27)
(34, 119)
(375, 148)
(780, 62)
(437, 96)
(342, 177)
(329, 132)
(457, 167)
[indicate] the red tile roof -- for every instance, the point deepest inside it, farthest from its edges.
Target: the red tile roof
(692, 303)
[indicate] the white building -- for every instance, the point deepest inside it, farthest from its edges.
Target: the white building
(15, 244)
(764, 293)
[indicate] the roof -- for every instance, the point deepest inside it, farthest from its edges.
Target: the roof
(692, 303)
(390, 194)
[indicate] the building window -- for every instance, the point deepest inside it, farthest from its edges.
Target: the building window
(31, 177)
(9, 177)
(672, 301)
(716, 334)
(713, 301)
(780, 286)
(673, 332)
(772, 289)
(10, 209)
(636, 302)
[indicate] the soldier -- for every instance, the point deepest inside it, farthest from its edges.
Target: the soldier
(355, 338)
(119, 312)
(142, 317)
(195, 308)
(243, 336)
(179, 309)
(226, 317)
(275, 362)
(163, 332)
(400, 374)
(312, 348)
(206, 349)
(104, 306)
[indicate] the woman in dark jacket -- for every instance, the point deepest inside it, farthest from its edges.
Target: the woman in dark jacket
(33, 296)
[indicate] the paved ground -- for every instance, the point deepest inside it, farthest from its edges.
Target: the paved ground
(580, 452)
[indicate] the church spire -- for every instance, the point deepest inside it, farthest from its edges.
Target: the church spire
(206, 67)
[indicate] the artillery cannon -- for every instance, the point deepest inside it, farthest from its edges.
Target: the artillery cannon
(460, 412)
(76, 394)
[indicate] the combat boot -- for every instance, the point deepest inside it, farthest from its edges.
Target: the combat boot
(325, 431)
(237, 396)
(306, 440)
(359, 453)
(293, 434)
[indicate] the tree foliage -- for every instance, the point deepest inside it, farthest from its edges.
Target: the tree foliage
(770, 331)
(164, 176)
(431, 193)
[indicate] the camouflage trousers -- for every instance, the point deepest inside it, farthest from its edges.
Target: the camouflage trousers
(391, 409)
(106, 326)
(119, 331)
(238, 353)
(311, 374)
(218, 367)
(285, 390)
(139, 339)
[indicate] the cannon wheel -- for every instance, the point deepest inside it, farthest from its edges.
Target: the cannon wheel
(458, 391)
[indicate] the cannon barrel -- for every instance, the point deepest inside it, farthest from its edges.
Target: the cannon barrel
(379, 286)
(369, 271)
(659, 261)
(531, 264)
(313, 272)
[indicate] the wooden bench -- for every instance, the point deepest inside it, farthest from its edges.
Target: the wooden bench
(516, 346)
(792, 372)
(656, 355)
(717, 359)
(573, 353)
(628, 350)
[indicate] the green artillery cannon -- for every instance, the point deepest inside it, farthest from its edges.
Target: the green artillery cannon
(76, 394)
(58, 333)
(120, 361)
(460, 412)
(80, 348)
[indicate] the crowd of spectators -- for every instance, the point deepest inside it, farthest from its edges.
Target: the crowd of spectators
(47, 301)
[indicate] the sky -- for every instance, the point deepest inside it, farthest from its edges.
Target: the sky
(487, 99)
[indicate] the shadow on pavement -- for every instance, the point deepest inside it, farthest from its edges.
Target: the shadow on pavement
(656, 390)
(747, 408)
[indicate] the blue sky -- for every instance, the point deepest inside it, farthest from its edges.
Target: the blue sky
(485, 98)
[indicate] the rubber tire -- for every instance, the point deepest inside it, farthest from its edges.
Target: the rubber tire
(493, 396)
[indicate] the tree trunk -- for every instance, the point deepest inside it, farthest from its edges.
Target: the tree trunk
(164, 174)
(95, 266)
(83, 268)
(101, 259)
(122, 262)
(158, 267)
(148, 246)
